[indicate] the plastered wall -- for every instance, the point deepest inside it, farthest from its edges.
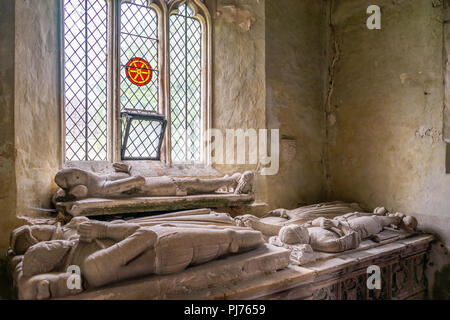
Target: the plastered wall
(268, 73)
(37, 103)
(238, 97)
(385, 121)
(7, 153)
(295, 69)
(30, 109)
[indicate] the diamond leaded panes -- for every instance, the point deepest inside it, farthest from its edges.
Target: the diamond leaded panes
(87, 76)
(143, 134)
(85, 82)
(185, 33)
(138, 39)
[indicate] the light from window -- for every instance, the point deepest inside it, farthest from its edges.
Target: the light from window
(185, 33)
(85, 82)
(138, 82)
(139, 39)
(139, 75)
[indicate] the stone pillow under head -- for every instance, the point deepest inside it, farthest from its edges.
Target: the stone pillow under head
(44, 256)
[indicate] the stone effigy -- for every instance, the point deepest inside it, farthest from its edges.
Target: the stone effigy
(83, 193)
(25, 236)
(271, 224)
(163, 251)
(108, 253)
(303, 233)
(341, 233)
(77, 184)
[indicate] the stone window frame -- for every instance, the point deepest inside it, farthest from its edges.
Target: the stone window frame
(163, 8)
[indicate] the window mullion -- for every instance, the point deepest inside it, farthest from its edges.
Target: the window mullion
(114, 78)
(166, 85)
(185, 83)
(86, 101)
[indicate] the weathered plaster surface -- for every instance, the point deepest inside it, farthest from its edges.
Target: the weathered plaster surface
(37, 103)
(446, 19)
(240, 17)
(238, 89)
(7, 154)
(268, 73)
(385, 144)
(295, 69)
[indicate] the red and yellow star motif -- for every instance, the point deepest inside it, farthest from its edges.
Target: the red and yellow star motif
(139, 71)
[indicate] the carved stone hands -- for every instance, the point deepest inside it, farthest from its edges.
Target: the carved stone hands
(282, 213)
(245, 220)
(91, 230)
(325, 223)
(351, 240)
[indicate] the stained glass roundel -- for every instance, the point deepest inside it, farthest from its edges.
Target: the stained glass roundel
(139, 71)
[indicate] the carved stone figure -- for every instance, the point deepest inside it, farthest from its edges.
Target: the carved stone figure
(25, 236)
(341, 233)
(110, 252)
(306, 213)
(77, 184)
(271, 224)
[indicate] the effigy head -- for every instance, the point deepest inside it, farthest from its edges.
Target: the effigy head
(21, 239)
(245, 184)
(410, 223)
(294, 234)
(71, 177)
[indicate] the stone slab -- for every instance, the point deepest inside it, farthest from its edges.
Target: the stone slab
(331, 265)
(100, 207)
(299, 282)
(203, 278)
(258, 287)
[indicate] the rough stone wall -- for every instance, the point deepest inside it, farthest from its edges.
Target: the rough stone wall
(384, 143)
(446, 18)
(37, 103)
(7, 154)
(446, 129)
(238, 97)
(295, 69)
(268, 60)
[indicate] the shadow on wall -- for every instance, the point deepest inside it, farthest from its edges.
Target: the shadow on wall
(438, 272)
(441, 290)
(5, 282)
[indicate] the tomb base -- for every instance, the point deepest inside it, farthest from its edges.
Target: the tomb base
(201, 279)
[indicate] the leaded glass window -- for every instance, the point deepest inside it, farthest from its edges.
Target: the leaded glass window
(138, 39)
(135, 57)
(185, 36)
(85, 82)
